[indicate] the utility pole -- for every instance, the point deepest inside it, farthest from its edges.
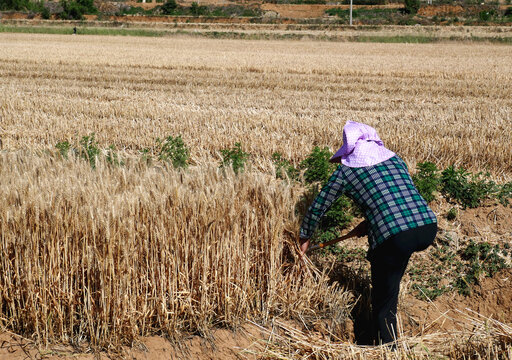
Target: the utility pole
(350, 12)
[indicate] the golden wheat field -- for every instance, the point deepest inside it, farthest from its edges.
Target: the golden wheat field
(447, 103)
(106, 255)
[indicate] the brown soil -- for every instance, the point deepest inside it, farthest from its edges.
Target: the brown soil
(491, 299)
(486, 221)
(172, 19)
(12, 15)
(299, 11)
(223, 344)
(432, 10)
(152, 4)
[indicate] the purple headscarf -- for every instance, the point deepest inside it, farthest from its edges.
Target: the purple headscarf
(361, 146)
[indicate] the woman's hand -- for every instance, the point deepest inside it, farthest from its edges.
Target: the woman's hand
(304, 245)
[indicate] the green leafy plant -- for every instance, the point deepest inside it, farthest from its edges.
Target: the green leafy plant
(483, 260)
(173, 149)
(317, 166)
(348, 255)
(136, 10)
(447, 269)
(18, 5)
(430, 289)
(89, 149)
(284, 169)
(451, 214)
(63, 148)
(427, 180)
(234, 157)
(486, 15)
(426, 278)
(505, 194)
(466, 188)
(45, 13)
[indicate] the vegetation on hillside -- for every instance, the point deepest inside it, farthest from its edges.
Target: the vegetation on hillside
(64, 9)
(468, 14)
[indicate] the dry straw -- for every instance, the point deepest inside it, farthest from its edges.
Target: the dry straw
(477, 338)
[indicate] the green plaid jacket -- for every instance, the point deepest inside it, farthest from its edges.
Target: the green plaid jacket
(386, 194)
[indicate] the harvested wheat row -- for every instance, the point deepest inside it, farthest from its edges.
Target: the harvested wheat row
(110, 254)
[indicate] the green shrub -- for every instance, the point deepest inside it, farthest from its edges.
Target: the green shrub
(169, 7)
(466, 188)
(45, 13)
(234, 157)
(348, 255)
(483, 259)
(486, 15)
(135, 10)
(335, 219)
(198, 10)
(412, 6)
(173, 149)
(63, 148)
(89, 149)
(249, 12)
(505, 193)
(427, 180)
(431, 289)
(337, 12)
(75, 9)
(18, 5)
(317, 166)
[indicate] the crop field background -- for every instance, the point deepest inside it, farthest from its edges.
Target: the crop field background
(105, 254)
(448, 103)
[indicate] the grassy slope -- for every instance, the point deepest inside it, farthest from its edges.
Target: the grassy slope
(260, 35)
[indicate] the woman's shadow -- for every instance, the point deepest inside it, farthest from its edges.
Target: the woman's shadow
(357, 280)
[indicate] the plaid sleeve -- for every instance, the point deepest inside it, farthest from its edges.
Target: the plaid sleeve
(329, 193)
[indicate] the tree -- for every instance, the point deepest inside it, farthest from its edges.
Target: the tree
(14, 4)
(412, 6)
(75, 10)
(169, 7)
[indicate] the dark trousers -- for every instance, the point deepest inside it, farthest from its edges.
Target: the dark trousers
(388, 262)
